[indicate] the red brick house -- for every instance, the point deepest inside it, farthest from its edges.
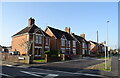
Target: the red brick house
(61, 40)
(94, 48)
(97, 48)
(31, 40)
(82, 45)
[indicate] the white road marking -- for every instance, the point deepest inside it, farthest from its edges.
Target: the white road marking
(31, 73)
(5, 75)
(47, 75)
(51, 76)
(87, 74)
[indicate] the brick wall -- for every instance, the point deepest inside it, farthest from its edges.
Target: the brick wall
(15, 58)
(18, 43)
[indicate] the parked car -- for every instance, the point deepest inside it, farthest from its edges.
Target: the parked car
(14, 52)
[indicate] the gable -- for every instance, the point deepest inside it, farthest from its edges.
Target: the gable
(49, 32)
(63, 37)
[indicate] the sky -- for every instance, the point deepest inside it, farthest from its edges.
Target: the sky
(81, 17)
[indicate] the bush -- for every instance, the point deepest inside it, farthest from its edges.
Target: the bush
(47, 52)
(53, 53)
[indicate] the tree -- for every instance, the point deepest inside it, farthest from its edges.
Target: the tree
(26, 45)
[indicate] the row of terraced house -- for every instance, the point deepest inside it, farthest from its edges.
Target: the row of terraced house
(32, 40)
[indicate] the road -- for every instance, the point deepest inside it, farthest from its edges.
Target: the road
(68, 69)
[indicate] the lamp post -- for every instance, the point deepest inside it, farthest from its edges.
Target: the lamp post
(106, 46)
(107, 39)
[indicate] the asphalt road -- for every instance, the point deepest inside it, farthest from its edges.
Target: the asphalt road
(16, 72)
(68, 69)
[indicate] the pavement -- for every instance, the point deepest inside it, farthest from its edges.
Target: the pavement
(72, 68)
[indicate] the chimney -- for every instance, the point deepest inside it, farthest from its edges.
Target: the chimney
(31, 21)
(82, 35)
(67, 29)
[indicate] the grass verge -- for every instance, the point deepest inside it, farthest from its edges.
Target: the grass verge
(39, 61)
(101, 66)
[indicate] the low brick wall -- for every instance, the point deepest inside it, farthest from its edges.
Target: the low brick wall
(16, 58)
(60, 57)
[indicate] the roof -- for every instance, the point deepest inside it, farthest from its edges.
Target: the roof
(30, 29)
(79, 38)
(58, 33)
(94, 42)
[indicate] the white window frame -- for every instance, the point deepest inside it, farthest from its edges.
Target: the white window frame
(63, 50)
(40, 39)
(37, 39)
(47, 41)
(89, 52)
(74, 51)
(74, 43)
(62, 42)
(83, 51)
(68, 43)
(88, 45)
(83, 44)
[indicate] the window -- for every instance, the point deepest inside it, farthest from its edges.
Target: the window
(89, 52)
(38, 51)
(74, 43)
(47, 41)
(74, 51)
(68, 50)
(83, 45)
(68, 43)
(40, 39)
(88, 45)
(63, 42)
(63, 50)
(37, 37)
(83, 51)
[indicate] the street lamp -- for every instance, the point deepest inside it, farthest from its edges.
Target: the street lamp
(106, 49)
